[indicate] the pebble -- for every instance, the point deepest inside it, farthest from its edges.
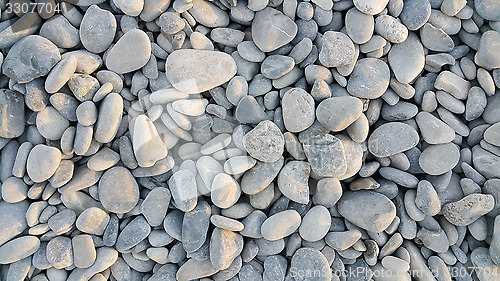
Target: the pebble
(280, 225)
(271, 23)
(439, 159)
(415, 14)
(392, 138)
(407, 59)
(265, 142)
(12, 217)
(147, 144)
(118, 190)
(12, 112)
(433, 130)
(131, 8)
(315, 224)
(383, 211)
(369, 78)
(60, 252)
(225, 191)
(195, 227)
(109, 118)
(337, 113)
(131, 52)
(308, 262)
(93, 221)
(297, 100)
(293, 181)
(337, 49)
(492, 134)
(18, 249)
(225, 246)
(84, 252)
(202, 70)
(359, 26)
(468, 209)
(30, 58)
(42, 162)
(389, 28)
(97, 29)
(326, 156)
(208, 14)
(184, 190)
(135, 231)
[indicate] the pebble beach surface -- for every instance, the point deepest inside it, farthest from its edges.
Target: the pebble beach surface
(250, 140)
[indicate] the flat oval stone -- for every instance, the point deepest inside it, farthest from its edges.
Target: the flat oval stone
(439, 159)
(13, 219)
(183, 187)
(271, 29)
(225, 191)
(50, 123)
(155, 205)
(265, 142)
(337, 113)
(370, 7)
(407, 59)
(195, 227)
(260, 176)
(392, 138)
(148, 146)
(486, 56)
(131, 52)
(275, 66)
(280, 225)
(109, 118)
(369, 210)
(298, 110)
(359, 26)
(225, 246)
(391, 29)
(135, 231)
(43, 162)
(118, 190)
(369, 78)
(30, 58)
(293, 181)
(208, 14)
(11, 114)
(196, 71)
(93, 221)
(488, 9)
(415, 13)
(337, 49)
(492, 134)
(193, 269)
(468, 209)
(84, 253)
(97, 29)
(315, 224)
(60, 252)
(326, 155)
(310, 261)
(18, 249)
(433, 130)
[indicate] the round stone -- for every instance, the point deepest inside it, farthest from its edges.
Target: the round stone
(439, 159)
(316, 224)
(488, 9)
(225, 191)
(369, 210)
(370, 7)
(271, 29)
(359, 26)
(298, 110)
(51, 124)
(30, 58)
(337, 113)
(97, 29)
(415, 13)
(293, 181)
(131, 52)
(392, 138)
(407, 59)
(307, 262)
(42, 162)
(337, 49)
(118, 190)
(196, 71)
(369, 78)
(265, 142)
(280, 225)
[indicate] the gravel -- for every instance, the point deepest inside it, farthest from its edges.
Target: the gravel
(250, 140)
